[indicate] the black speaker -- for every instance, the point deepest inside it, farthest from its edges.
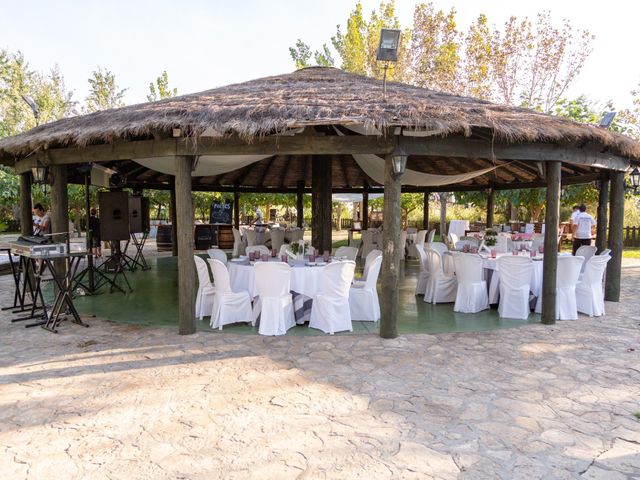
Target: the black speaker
(114, 215)
(139, 215)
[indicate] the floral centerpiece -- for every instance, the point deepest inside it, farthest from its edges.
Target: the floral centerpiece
(299, 247)
(490, 237)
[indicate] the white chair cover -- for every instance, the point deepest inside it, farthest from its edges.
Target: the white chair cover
(274, 304)
(258, 248)
(606, 251)
(538, 241)
(373, 254)
(432, 235)
(350, 252)
(586, 251)
(403, 243)
(453, 238)
(238, 244)
(441, 288)
(423, 276)
(296, 234)
(218, 254)
(439, 247)
(330, 310)
(566, 280)
(206, 290)
(420, 240)
(277, 238)
(589, 292)
(529, 228)
(515, 285)
(471, 296)
(251, 236)
(501, 244)
(363, 300)
(367, 242)
(228, 306)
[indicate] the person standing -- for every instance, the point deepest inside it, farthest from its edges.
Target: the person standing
(582, 228)
(574, 213)
(259, 220)
(41, 222)
(94, 228)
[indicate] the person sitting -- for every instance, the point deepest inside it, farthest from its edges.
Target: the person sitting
(94, 228)
(41, 221)
(582, 229)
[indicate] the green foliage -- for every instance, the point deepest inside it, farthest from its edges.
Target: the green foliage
(301, 54)
(104, 92)
(161, 90)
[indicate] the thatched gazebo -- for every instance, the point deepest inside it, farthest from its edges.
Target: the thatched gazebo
(322, 129)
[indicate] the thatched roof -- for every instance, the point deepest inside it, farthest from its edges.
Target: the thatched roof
(314, 96)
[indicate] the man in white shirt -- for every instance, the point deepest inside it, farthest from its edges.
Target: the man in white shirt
(574, 214)
(582, 226)
(41, 221)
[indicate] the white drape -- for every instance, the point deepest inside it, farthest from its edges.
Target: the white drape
(207, 165)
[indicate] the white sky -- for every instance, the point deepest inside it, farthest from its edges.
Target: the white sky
(204, 44)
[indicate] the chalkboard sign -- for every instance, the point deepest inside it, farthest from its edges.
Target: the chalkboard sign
(222, 212)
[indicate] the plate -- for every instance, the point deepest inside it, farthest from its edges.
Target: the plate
(321, 264)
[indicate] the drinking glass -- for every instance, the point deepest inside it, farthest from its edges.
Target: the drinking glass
(326, 255)
(494, 253)
(284, 258)
(252, 256)
(265, 257)
(312, 257)
(274, 254)
(541, 248)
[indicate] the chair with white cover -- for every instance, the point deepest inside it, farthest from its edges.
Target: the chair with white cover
(217, 253)
(373, 254)
(251, 236)
(296, 234)
(206, 290)
(432, 235)
(228, 306)
(538, 241)
(274, 304)
(363, 300)
(238, 244)
(589, 292)
(403, 243)
(566, 280)
(261, 249)
(439, 247)
(586, 251)
(423, 275)
(453, 239)
(367, 242)
(515, 284)
(330, 309)
(350, 252)
(441, 287)
(606, 251)
(471, 296)
(277, 238)
(420, 240)
(504, 244)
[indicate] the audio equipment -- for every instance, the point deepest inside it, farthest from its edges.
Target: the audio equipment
(114, 216)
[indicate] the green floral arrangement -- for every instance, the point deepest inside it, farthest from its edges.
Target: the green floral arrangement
(490, 239)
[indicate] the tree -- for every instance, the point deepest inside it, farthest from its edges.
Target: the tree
(161, 90)
(104, 92)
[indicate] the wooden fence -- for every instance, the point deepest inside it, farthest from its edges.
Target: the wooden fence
(631, 237)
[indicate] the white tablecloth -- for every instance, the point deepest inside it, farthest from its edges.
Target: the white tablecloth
(304, 279)
(459, 227)
(494, 282)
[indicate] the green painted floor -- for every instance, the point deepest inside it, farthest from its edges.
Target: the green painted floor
(154, 302)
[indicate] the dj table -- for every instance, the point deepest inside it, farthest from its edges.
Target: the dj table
(36, 262)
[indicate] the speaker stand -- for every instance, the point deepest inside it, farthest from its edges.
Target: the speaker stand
(114, 264)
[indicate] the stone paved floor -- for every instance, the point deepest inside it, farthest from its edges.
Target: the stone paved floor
(116, 401)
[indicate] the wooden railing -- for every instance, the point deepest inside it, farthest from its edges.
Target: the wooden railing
(631, 237)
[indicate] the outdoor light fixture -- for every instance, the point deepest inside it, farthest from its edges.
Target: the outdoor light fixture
(39, 174)
(607, 119)
(634, 176)
(388, 52)
(399, 160)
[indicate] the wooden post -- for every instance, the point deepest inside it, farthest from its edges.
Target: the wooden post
(26, 214)
(236, 208)
(300, 204)
(391, 252)
(321, 202)
(365, 210)
(425, 212)
(172, 217)
(616, 224)
(491, 194)
(59, 212)
(601, 227)
(186, 265)
(550, 262)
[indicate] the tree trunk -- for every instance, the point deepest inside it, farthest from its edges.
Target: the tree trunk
(172, 218)
(59, 210)
(26, 213)
(321, 202)
(443, 215)
(601, 227)
(491, 195)
(616, 225)
(186, 264)
(425, 212)
(392, 251)
(550, 262)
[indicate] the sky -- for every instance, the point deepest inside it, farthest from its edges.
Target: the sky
(205, 44)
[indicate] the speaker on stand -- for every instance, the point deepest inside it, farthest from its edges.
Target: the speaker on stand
(139, 223)
(114, 228)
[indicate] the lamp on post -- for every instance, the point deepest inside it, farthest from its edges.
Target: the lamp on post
(634, 176)
(39, 173)
(399, 160)
(388, 52)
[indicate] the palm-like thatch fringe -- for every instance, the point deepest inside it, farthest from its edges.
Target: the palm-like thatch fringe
(313, 96)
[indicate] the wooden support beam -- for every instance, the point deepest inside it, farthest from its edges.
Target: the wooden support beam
(59, 211)
(392, 252)
(491, 195)
(236, 209)
(365, 209)
(172, 217)
(186, 265)
(616, 225)
(601, 226)
(321, 202)
(26, 213)
(550, 262)
(425, 211)
(300, 204)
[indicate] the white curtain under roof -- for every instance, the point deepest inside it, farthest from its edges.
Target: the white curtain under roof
(206, 166)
